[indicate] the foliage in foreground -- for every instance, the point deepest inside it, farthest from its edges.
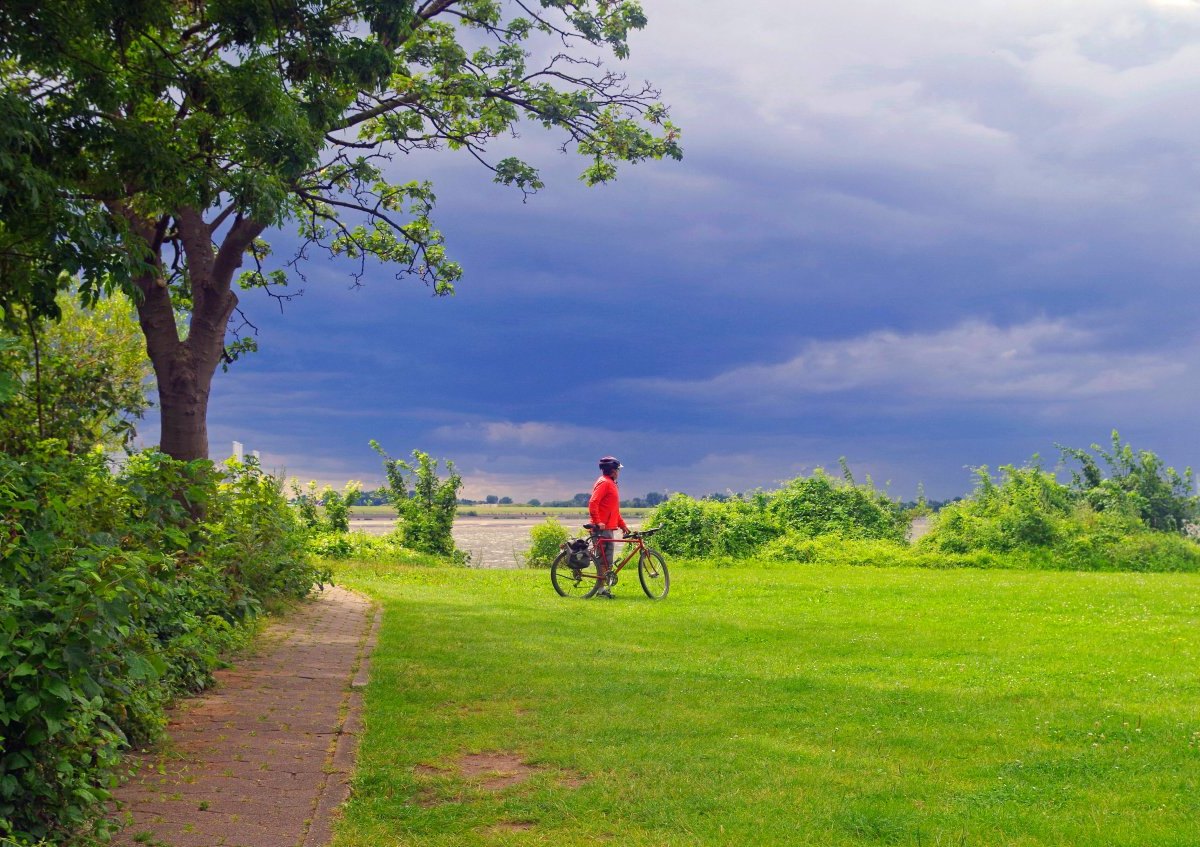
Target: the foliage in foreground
(113, 599)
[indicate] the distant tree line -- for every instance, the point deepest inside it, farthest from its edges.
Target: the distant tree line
(579, 501)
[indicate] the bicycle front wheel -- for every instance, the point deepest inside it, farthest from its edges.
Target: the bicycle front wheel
(652, 571)
(574, 582)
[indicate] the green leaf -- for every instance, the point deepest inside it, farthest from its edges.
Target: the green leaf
(60, 690)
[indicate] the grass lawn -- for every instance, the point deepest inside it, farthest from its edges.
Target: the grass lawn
(812, 705)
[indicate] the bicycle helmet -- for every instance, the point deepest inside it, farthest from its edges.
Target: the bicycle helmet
(610, 463)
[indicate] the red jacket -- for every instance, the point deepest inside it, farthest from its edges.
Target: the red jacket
(605, 505)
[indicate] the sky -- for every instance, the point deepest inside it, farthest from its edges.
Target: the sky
(924, 236)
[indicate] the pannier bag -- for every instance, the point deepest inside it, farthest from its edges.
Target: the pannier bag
(577, 553)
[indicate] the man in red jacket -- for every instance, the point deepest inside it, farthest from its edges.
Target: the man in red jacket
(605, 510)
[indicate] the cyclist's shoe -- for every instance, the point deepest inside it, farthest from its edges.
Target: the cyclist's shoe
(605, 592)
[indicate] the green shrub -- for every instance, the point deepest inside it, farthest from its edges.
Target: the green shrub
(1138, 482)
(338, 503)
(822, 505)
(328, 511)
(1027, 509)
(733, 527)
(1032, 520)
(546, 540)
(425, 504)
(352, 549)
(356, 545)
(805, 507)
(256, 539)
(794, 549)
(113, 599)
(306, 503)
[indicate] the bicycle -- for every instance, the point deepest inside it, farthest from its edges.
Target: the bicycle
(576, 570)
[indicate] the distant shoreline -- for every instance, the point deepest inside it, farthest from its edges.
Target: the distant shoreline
(496, 512)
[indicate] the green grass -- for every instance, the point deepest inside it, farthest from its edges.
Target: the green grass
(807, 705)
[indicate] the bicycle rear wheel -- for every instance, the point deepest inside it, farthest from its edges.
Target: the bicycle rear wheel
(574, 582)
(652, 572)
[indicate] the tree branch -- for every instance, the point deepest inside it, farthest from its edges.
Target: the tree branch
(433, 8)
(375, 111)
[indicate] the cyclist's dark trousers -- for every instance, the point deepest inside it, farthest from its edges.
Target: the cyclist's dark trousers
(609, 547)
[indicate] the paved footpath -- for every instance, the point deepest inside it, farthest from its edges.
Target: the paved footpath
(265, 757)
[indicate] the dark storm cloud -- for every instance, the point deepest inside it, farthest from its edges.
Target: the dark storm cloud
(923, 236)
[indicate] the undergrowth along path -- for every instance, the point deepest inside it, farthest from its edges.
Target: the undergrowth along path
(264, 759)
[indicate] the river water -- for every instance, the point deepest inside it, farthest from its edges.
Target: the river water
(502, 542)
(492, 542)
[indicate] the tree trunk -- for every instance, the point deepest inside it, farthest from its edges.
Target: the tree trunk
(185, 368)
(184, 377)
(184, 409)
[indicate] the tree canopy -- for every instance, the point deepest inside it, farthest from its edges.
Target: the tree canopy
(148, 146)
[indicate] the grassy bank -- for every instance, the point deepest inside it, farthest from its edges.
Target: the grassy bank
(804, 705)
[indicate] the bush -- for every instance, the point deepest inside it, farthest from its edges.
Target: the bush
(732, 527)
(1138, 483)
(355, 545)
(114, 598)
(359, 548)
(256, 538)
(806, 507)
(547, 539)
(796, 549)
(1035, 521)
(337, 504)
(1027, 509)
(425, 504)
(1023, 519)
(821, 505)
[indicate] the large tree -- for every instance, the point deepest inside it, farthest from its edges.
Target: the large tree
(182, 131)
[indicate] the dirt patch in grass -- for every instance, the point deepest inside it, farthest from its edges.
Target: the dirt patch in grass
(427, 798)
(571, 779)
(497, 770)
(493, 771)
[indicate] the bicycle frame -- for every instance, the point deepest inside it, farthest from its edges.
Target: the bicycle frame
(605, 548)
